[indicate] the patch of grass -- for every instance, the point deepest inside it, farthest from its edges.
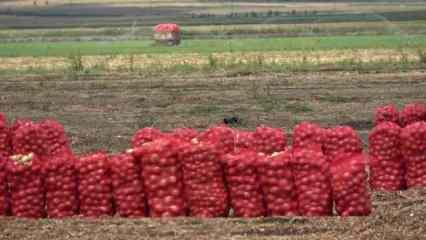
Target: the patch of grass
(422, 55)
(297, 108)
(213, 46)
(335, 99)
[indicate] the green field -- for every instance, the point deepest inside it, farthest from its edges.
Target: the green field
(212, 46)
(217, 31)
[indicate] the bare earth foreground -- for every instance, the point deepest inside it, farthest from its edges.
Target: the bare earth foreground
(397, 216)
(104, 111)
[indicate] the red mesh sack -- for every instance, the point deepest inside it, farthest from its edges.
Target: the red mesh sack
(54, 138)
(26, 139)
(277, 182)
(413, 144)
(127, 185)
(18, 123)
(26, 186)
(245, 191)
(221, 135)
(387, 168)
(204, 180)
(166, 28)
(145, 135)
(4, 197)
(5, 147)
(411, 113)
(244, 139)
(186, 134)
(387, 113)
(312, 181)
(269, 140)
(162, 174)
(349, 183)
(308, 135)
(341, 139)
(61, 186)
(95, 188)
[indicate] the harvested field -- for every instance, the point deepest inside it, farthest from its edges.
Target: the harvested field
(398, 215)
(104, 111)
(148, 62)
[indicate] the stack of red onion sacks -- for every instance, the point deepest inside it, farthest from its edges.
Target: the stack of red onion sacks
(204, 180)
(245, 191)
(127, 185)
(4, 198)
(244, 139)
(269, 140)
(54, 138)
(386, 162)
(387, 113)
(277, 183)
(221, 135)
(166, 27)
(26, 186)
(162, 174)
(5, 147)
(341, 139)
(145, 135)
(185, 134)
(308, 135)
(411, 113)
(312, 181)
(349, 183)
(61, 186)
(414, 151)
(95, 190)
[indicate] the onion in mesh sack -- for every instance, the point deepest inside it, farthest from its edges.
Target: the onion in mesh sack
(95, 186)
(203, 178)
(387, 166)
(277, 180)
(349, 183)
(244, 187)
(25, 180)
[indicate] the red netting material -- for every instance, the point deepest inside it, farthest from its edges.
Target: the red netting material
(277, 182)
(61, 185)
(145, 135)
(203, 178)
(386, 162)
(341, 139)
(308, 135)
(411, 113)
(162, 174)
(25, 180)
(349, 183)
(220, 135)
(387, 113)
(246, 195)
(4, 197)
(414, 150)
(269, 140)
(312, 181)
(95, 190)
(127, 185)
